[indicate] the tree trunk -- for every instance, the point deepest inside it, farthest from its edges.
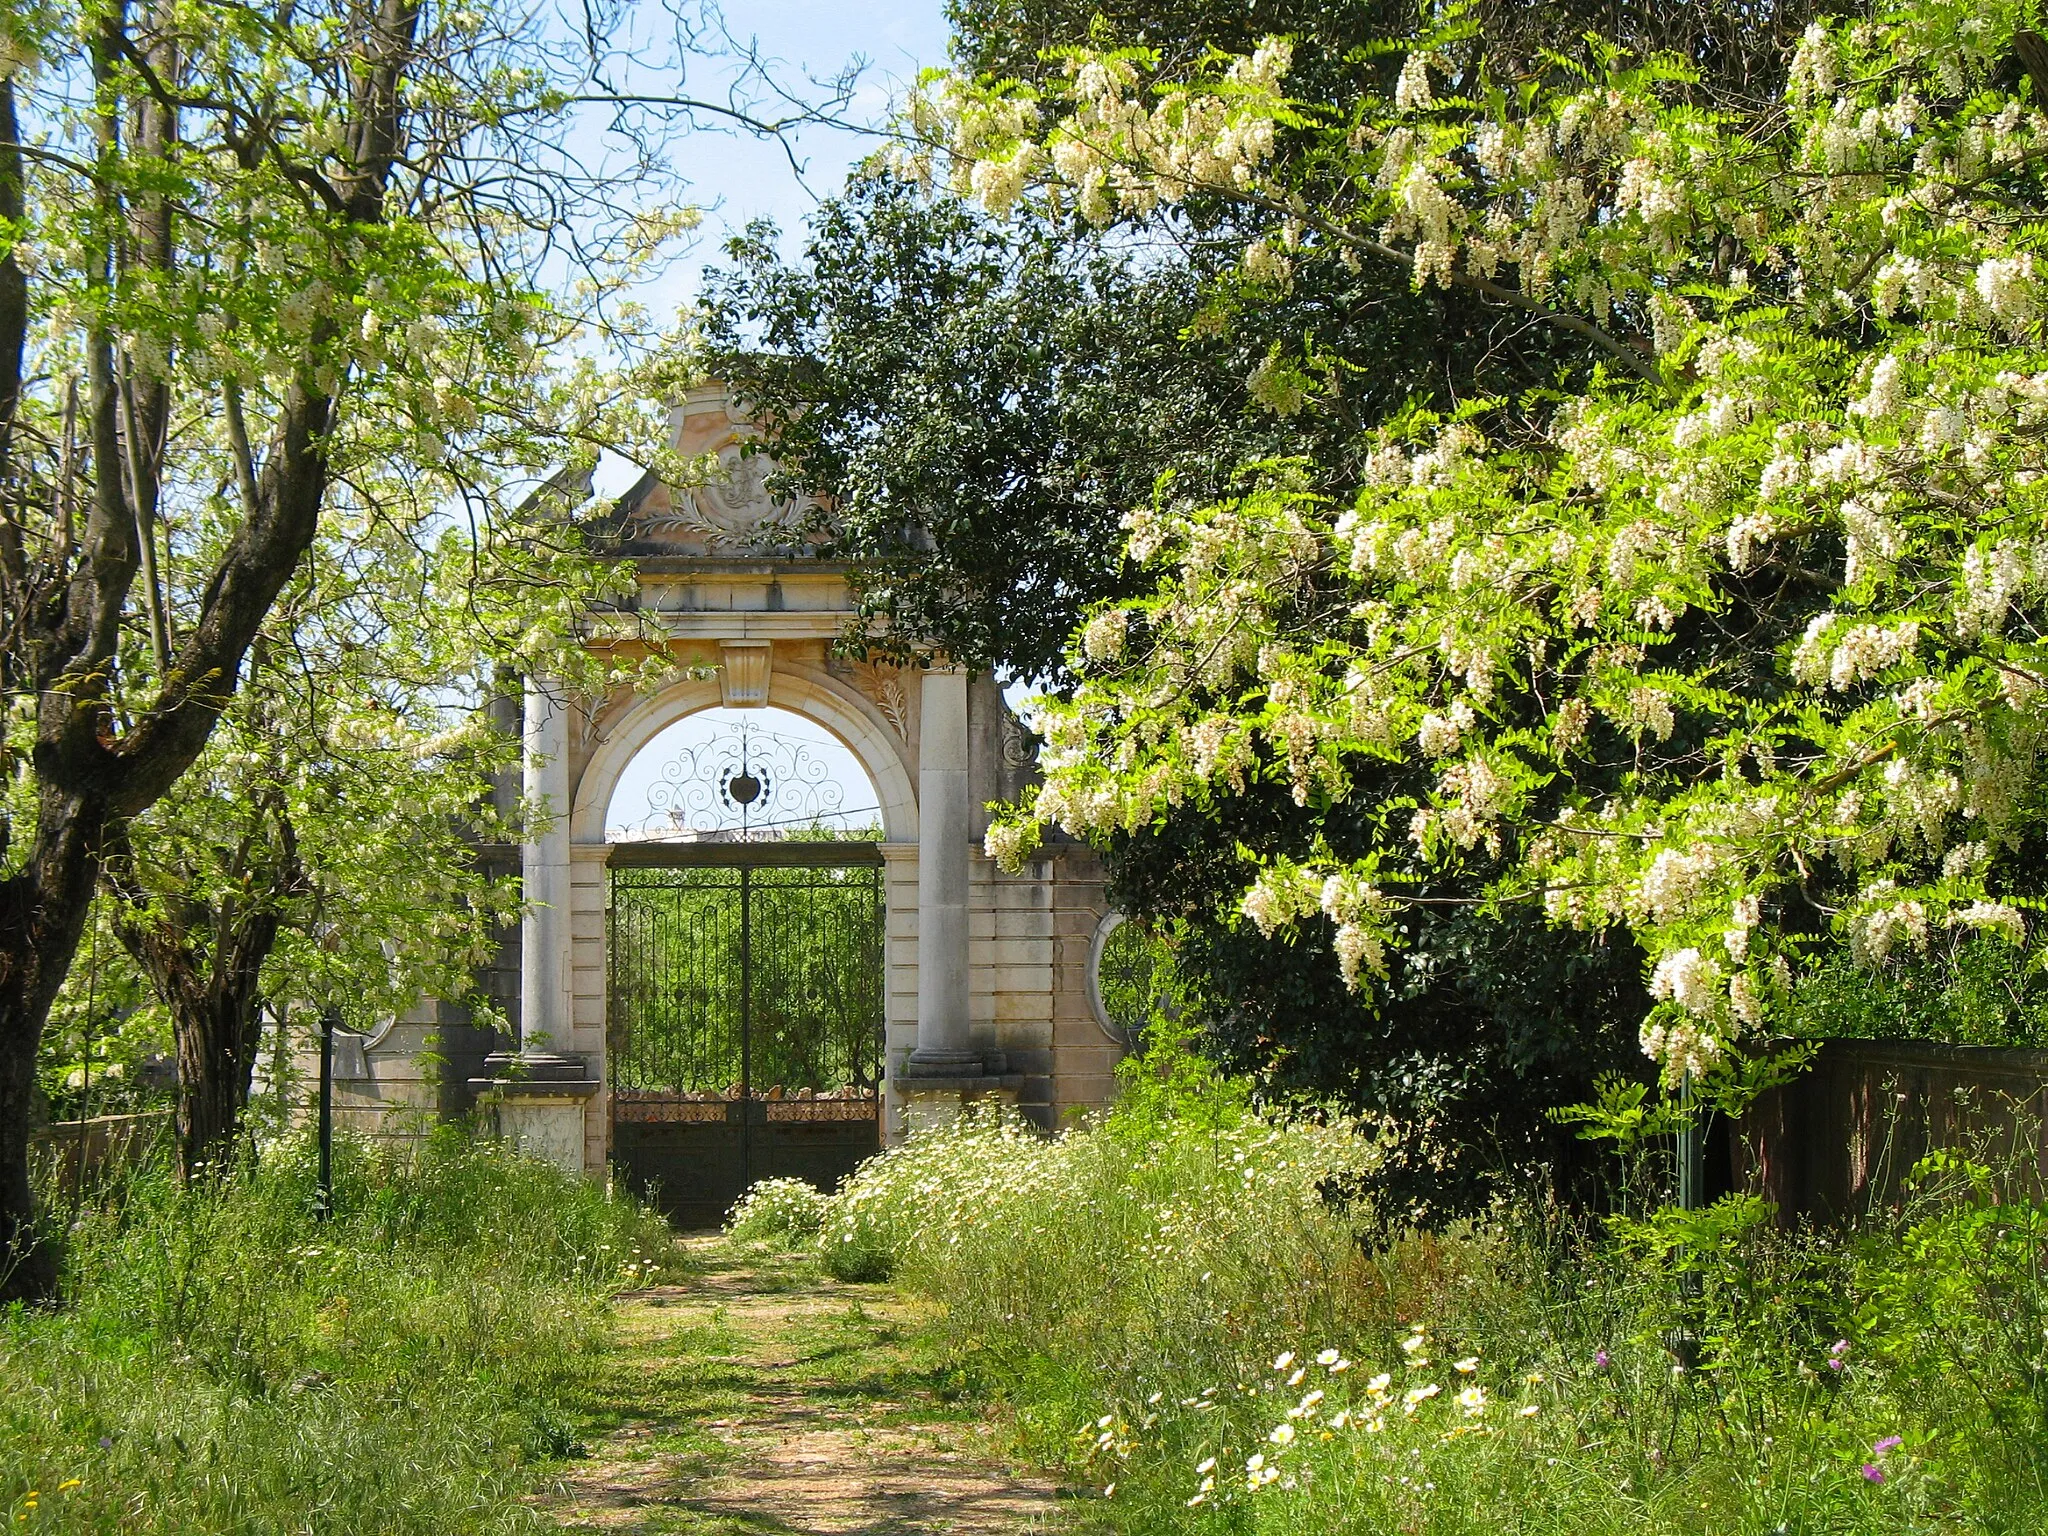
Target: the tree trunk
(42, 913)
(205, 965)
(217, 1039)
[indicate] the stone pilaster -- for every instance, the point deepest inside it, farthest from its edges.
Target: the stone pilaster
(944, 1047)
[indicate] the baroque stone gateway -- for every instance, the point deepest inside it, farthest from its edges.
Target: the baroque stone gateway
(983, 984)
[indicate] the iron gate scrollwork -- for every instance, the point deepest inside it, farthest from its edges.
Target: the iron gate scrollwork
(744, 1017)
(749, 780)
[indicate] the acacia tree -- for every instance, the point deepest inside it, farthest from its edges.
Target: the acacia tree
(1735, 648)
(323, 850)
(981, 397)
(251, 252)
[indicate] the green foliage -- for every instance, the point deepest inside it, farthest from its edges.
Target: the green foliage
(1977, 991)
(221, 1362)
(983, 402)
(1621, 1112)
(1168, 1081)
(1032, 1241)
(786, 1212)
(1485, 1019)
(1182, 1321)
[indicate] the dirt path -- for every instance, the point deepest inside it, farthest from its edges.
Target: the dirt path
(765, 1397)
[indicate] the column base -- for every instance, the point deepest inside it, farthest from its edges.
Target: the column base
(538, 1099)
(924, 1062)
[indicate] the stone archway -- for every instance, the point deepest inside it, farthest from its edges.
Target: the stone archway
(985, 992)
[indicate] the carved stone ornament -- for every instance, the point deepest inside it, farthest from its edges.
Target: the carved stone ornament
(744, 670)
(883, 682)
(731, 513)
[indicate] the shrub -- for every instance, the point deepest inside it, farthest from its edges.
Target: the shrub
(785, 1211)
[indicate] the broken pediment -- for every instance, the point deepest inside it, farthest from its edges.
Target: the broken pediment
(731, 513)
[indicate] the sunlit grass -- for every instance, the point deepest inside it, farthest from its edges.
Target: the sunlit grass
(222, 1363)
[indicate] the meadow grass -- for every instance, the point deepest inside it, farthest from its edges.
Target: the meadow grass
(1175, 1312)
(222, 1363)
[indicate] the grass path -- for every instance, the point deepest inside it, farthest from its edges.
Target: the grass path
(763, 1396)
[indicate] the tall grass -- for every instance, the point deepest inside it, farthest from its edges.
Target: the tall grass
(1176, 1314)
(223, 1364)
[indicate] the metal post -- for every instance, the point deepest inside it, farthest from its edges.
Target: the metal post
(323, 1189)
(746, 1027)
(1683, 1341)
(1689, 1171)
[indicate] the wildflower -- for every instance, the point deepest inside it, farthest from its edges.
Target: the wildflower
(1526, 1411)
(1379, 1383)
(1328, 1357)
(1888, 1443)
(1467, 1366)
(1282, 1435)
(1284, 1361)
(1415, 1397)
(1835, 1353)
(1206, 1465)
(1472, 1400)
(1599, 1359)
(1412, 1343)
(1872, 1473)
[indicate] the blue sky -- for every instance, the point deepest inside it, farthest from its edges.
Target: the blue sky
(738, 179)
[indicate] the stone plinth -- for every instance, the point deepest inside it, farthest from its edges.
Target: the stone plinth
(538, 1099)
(925, 1100)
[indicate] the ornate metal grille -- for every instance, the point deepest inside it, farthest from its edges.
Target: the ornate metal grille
(745, 1011)
(751, 781)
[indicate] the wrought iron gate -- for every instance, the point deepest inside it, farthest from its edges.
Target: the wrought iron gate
(744, 1017)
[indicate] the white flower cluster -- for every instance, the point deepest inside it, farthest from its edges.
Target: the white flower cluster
(1103, 637)
(1993, 917)
(1856, 654)
(1281, 894)
(1010, 843)
(1695, 1041)
(1881, 924)
(1868, 382)
(1675, 879)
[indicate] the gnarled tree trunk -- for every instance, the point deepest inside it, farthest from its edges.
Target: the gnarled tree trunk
(205, 965)
(64, 599)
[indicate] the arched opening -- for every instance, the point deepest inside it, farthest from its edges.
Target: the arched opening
(762, 774)
(744, 953)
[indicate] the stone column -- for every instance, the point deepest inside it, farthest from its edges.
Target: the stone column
(943, 835)
(545, 950)
(539, 1093)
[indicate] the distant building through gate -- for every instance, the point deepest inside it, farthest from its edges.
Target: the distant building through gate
(987, 984)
